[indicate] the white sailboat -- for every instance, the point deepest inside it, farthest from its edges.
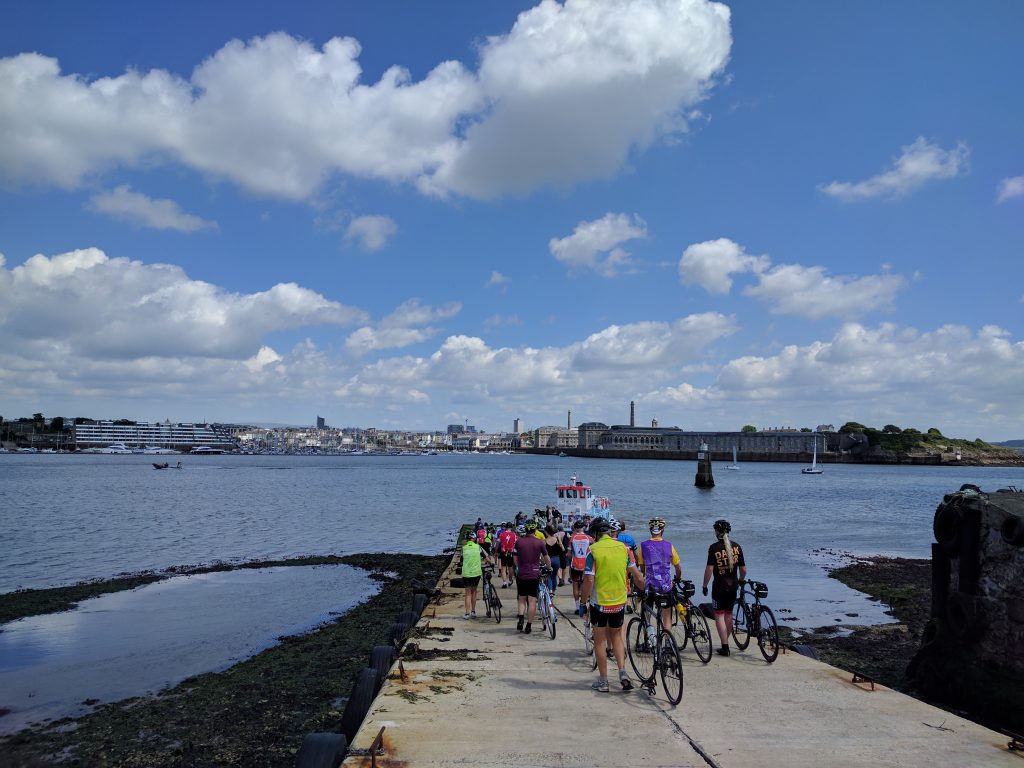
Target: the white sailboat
(814, 469)
(734, 465)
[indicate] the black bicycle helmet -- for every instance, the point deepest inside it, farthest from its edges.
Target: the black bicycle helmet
(598, 526)
(722, 526)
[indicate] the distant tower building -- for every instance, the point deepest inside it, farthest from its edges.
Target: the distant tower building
(320, 422)
(654, 423)
(517, 426)
(568, 421)
(632, 413)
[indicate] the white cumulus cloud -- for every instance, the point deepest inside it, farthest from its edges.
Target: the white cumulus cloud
(596, 245)
(371, 232)
(920, 162)
(401, 327)
(91, 305)
(792, 289)
(278, 116)
(139, 209)
(1010, 188)
(789, 289)
(712, 263)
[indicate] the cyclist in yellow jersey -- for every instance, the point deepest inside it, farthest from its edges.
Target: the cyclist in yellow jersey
(605, 578)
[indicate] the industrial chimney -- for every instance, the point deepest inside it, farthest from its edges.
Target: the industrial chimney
(568, 421)
(632, 413)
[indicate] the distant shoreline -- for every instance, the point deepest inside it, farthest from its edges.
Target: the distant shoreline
(1003, 460)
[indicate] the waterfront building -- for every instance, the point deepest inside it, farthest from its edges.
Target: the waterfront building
(159, 435)
(555, 437)
(589, 434)
(627, 438)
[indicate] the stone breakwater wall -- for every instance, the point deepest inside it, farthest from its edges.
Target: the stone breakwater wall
(972, 649)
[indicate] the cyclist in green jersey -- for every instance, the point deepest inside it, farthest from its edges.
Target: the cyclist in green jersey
(472, 570)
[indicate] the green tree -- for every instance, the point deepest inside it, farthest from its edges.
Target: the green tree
(934, 432)
(749, 428)
(852, 426)
(891, 429)
(806, 429)
(57, 424)
(38, 421)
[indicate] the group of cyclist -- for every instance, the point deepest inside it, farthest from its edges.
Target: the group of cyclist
(602, 564)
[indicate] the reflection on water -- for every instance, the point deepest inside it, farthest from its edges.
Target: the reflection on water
(130, 643)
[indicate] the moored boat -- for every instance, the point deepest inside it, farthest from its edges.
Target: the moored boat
(579, 499)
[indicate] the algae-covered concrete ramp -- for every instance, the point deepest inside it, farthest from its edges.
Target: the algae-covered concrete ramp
(478, 693)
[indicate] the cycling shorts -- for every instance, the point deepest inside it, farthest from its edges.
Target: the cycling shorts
(470, 582)
(611, 620)
(723, 597)
(527, 587)
(506, 559)
(576, 577)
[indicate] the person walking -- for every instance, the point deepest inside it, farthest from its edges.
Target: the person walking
(658, 559)
(556, 552)
(726, 564)
(605, 577)
(472, 570)
(529, 552)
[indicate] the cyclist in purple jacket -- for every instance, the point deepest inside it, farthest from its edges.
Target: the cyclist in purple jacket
(657, 559)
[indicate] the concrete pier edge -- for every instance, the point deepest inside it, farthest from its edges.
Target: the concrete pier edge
(479, 693)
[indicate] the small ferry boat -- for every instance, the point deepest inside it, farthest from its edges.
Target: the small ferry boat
(206, 450)
(579, 499)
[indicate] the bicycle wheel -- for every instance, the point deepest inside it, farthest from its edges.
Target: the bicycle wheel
(697, 628)
(670, 667)
(551, 620)
(588, 637)
(679, 631)
(741, 625)
(638, 648)
(495, 607)
(488, 590)
(542, 609)
(768, 634)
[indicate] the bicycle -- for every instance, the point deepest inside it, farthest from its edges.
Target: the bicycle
(588, 638)
(756, 619)
(491, 600)
(688, 622)
(545, 605)
(653, 651)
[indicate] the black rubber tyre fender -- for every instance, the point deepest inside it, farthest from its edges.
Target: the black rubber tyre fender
(381, 659)
(419, 602)
(946, 526)
(364, 691)
(962, 617)
(935, 631)
(397, 633)
(409, 618)
(1012, 530)
(322, 750)
(806, 650)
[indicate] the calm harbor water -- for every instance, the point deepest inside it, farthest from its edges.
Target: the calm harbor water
(67, 518)
(64, 519)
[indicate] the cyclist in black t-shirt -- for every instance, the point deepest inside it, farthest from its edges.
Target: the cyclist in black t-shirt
(725, 563)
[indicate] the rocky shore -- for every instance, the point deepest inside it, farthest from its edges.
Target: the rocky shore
(881, 652)
(255, 713)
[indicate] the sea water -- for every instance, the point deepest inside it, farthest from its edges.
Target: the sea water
(67, 518)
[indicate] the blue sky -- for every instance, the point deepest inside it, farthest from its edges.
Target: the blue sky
(415, 214)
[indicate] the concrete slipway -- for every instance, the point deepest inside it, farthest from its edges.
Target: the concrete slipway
(518, 700)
